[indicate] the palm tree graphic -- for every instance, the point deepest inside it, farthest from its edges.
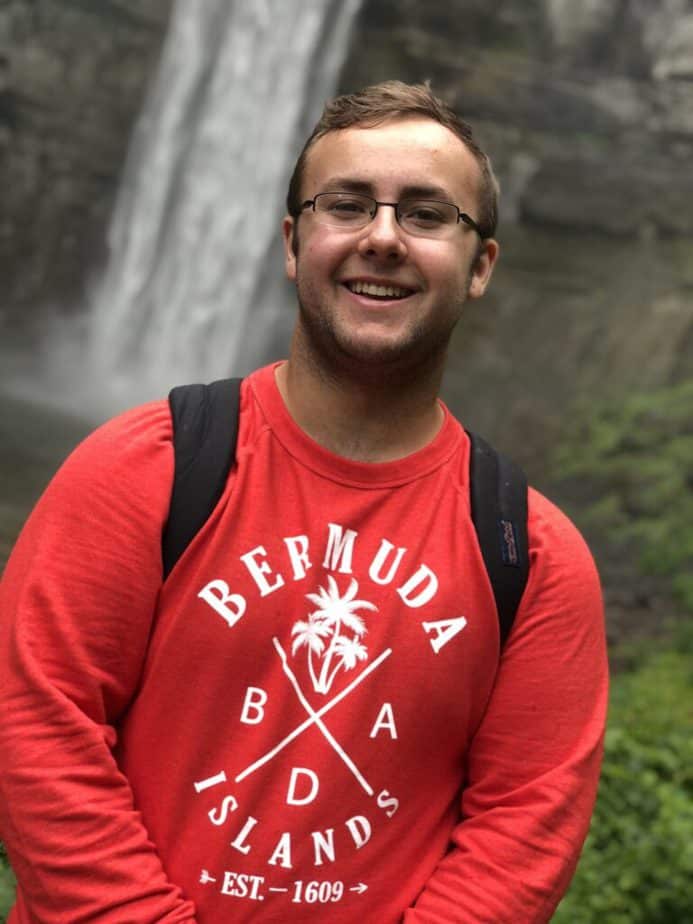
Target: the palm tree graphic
(332, 633)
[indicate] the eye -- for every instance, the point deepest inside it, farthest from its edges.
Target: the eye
(346, 207)
(425, 214)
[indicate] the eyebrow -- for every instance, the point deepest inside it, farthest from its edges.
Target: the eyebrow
(350, 184)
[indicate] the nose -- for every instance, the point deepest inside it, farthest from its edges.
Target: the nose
(383, 238)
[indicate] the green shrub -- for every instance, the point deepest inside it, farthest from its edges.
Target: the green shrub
(637, 865)
(6, 887)
(636, 457)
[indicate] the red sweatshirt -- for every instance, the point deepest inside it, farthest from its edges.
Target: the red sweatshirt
(309, 721)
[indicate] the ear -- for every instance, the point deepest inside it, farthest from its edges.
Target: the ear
(289, 229)
(483, 268)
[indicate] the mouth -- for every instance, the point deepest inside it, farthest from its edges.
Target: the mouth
(380, 292)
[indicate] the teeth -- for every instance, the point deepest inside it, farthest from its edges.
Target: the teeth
(369, 288)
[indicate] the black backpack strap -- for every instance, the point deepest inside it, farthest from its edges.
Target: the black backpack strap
(498, 492)
(205, 432)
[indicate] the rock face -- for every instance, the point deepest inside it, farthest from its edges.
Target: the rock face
(72, 78)
(586, 109)
(587, 112)
(573, 99)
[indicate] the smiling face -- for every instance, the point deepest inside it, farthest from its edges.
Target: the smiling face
(378, 295)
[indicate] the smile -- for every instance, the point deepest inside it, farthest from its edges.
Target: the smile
(377, 291)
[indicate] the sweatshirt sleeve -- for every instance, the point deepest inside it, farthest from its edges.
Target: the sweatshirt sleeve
(533, 764)
(76, 607)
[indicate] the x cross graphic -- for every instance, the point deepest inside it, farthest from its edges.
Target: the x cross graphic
(315, 718)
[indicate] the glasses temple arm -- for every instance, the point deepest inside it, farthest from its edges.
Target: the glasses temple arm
(472, 224)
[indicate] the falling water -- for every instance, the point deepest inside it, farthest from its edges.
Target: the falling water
(193, 289)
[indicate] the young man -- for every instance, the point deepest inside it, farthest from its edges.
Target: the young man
(311, 719)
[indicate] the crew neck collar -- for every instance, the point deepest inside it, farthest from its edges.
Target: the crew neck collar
(338, 468)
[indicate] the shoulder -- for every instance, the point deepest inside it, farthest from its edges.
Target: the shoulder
(133, 444)
(563, 587)
(98, 524)
(139, 429)
(117, 481)
(554, 540)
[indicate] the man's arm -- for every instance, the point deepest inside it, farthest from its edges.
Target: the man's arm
(534, 762)
(76, 606)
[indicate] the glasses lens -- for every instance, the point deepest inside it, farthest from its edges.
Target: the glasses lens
(427, 218)
(348, 210)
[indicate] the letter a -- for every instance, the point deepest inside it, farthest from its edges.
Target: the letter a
(386, 719)
(229, 606)
(445, 630)
(282, 852)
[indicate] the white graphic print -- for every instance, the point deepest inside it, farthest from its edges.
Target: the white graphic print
(326, 633)
(324, 654)
(315, 718)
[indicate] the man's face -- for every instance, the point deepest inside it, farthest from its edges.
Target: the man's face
(398, 159)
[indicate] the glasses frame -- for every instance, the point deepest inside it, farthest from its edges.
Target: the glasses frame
(461, 216)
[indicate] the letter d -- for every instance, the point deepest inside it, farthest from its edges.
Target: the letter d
(360, 829)
(291, 797)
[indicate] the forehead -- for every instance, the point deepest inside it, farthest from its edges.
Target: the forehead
(393, 157)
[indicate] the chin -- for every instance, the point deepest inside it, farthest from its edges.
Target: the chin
(383, 354)
(343, 343)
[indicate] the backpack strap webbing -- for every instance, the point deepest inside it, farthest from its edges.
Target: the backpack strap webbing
(498, 493)
(205, 431)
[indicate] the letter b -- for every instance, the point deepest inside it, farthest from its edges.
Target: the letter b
(229, 606)
(255, 699)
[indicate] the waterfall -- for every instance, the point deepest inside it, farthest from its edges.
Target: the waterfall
(194, 286)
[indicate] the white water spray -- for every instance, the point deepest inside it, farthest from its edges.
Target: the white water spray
(195, 226)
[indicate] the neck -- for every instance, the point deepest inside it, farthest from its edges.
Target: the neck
(369, 418)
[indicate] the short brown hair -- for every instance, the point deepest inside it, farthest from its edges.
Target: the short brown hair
(389, 100)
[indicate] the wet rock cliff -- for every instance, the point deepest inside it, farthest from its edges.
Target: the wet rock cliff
(586, 109)
(72, 78)
(587, 112)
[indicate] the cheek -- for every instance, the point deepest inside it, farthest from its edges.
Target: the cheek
(449, 273)
(440, 261)
(321, 259)
(460, 270)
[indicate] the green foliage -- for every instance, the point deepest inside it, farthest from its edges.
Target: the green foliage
(637, 865)
(6, 887)
(636, 457)
(631, 467)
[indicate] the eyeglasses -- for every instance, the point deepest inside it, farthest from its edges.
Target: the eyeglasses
(419, 217)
